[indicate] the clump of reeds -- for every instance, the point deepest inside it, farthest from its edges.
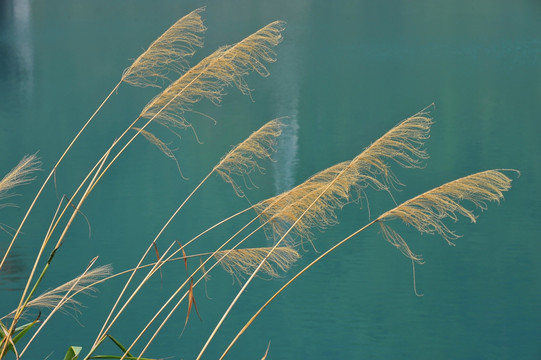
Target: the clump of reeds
(288, 218)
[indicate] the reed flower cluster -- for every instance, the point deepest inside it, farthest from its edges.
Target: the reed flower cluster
(289, 219)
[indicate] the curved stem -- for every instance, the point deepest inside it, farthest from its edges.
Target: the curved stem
(54, 170)
(199, 280)
(29, 210)
(106, 327)
(226, 313)
(158, 264)
(58, 306)
(289, 283)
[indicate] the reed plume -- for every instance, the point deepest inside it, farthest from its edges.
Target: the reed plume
(241, 161)
(427, 211)
(167, 53)
(403, 144)
(178, 42)
(19, 175)
(227, 66)
(240, 262)
(56, 297)
(332, 188)
(258, 145)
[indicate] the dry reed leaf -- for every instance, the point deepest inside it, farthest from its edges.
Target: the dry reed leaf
(227, 66)
(240, 262)
(191, 301)
(19, 175)
(427, 211)
(158, 257)
(167, 53)
(313, 204)
(204, 272)
(241, 161)
(183, 255)
(266, 352)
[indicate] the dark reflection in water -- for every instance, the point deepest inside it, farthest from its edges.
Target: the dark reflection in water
(16, 84)
(11, 274)
(16, 52)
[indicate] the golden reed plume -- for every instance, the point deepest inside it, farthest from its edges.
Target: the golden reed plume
(331, 189)
(240, 262)
(426, 212)
(153, 65)
(227, 66)
(19, 175)
(54, 297)
(241, 161)
(167, 53)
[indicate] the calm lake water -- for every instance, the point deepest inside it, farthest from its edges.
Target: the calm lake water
(347, 72)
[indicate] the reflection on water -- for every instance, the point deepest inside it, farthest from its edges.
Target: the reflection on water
(286, 102)
(12, 271)
(16, 50)
(286, 153)
(360, 68)
(16, 84)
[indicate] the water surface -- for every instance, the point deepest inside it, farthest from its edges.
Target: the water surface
(347, 72)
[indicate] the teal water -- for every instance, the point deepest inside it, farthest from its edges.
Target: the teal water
(347, 71)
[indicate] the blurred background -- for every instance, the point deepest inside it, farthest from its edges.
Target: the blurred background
(347, 72)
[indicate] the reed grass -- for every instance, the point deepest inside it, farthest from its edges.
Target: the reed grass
(289, 219)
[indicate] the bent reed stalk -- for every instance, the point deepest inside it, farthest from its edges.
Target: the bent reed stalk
(225, 67)
(288, 219)
(259, 145)
(424, 212)
(403, 144)
(209, 80)
(177, 42)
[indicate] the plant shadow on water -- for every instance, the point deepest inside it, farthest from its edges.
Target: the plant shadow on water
(290, 221)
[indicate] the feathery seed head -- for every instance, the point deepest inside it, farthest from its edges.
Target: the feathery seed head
(168, 53)
(240, 262)
(313, 204)
(227, 66)
(54, 297)
(242, 160)
(19, 175)
(426, 212)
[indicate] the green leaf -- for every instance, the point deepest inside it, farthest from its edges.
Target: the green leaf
(117, 357)
(19, 333)
(120, 346)
(73, 353)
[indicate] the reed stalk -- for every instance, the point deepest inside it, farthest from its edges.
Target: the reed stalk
(424, 212)
(288, 219)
